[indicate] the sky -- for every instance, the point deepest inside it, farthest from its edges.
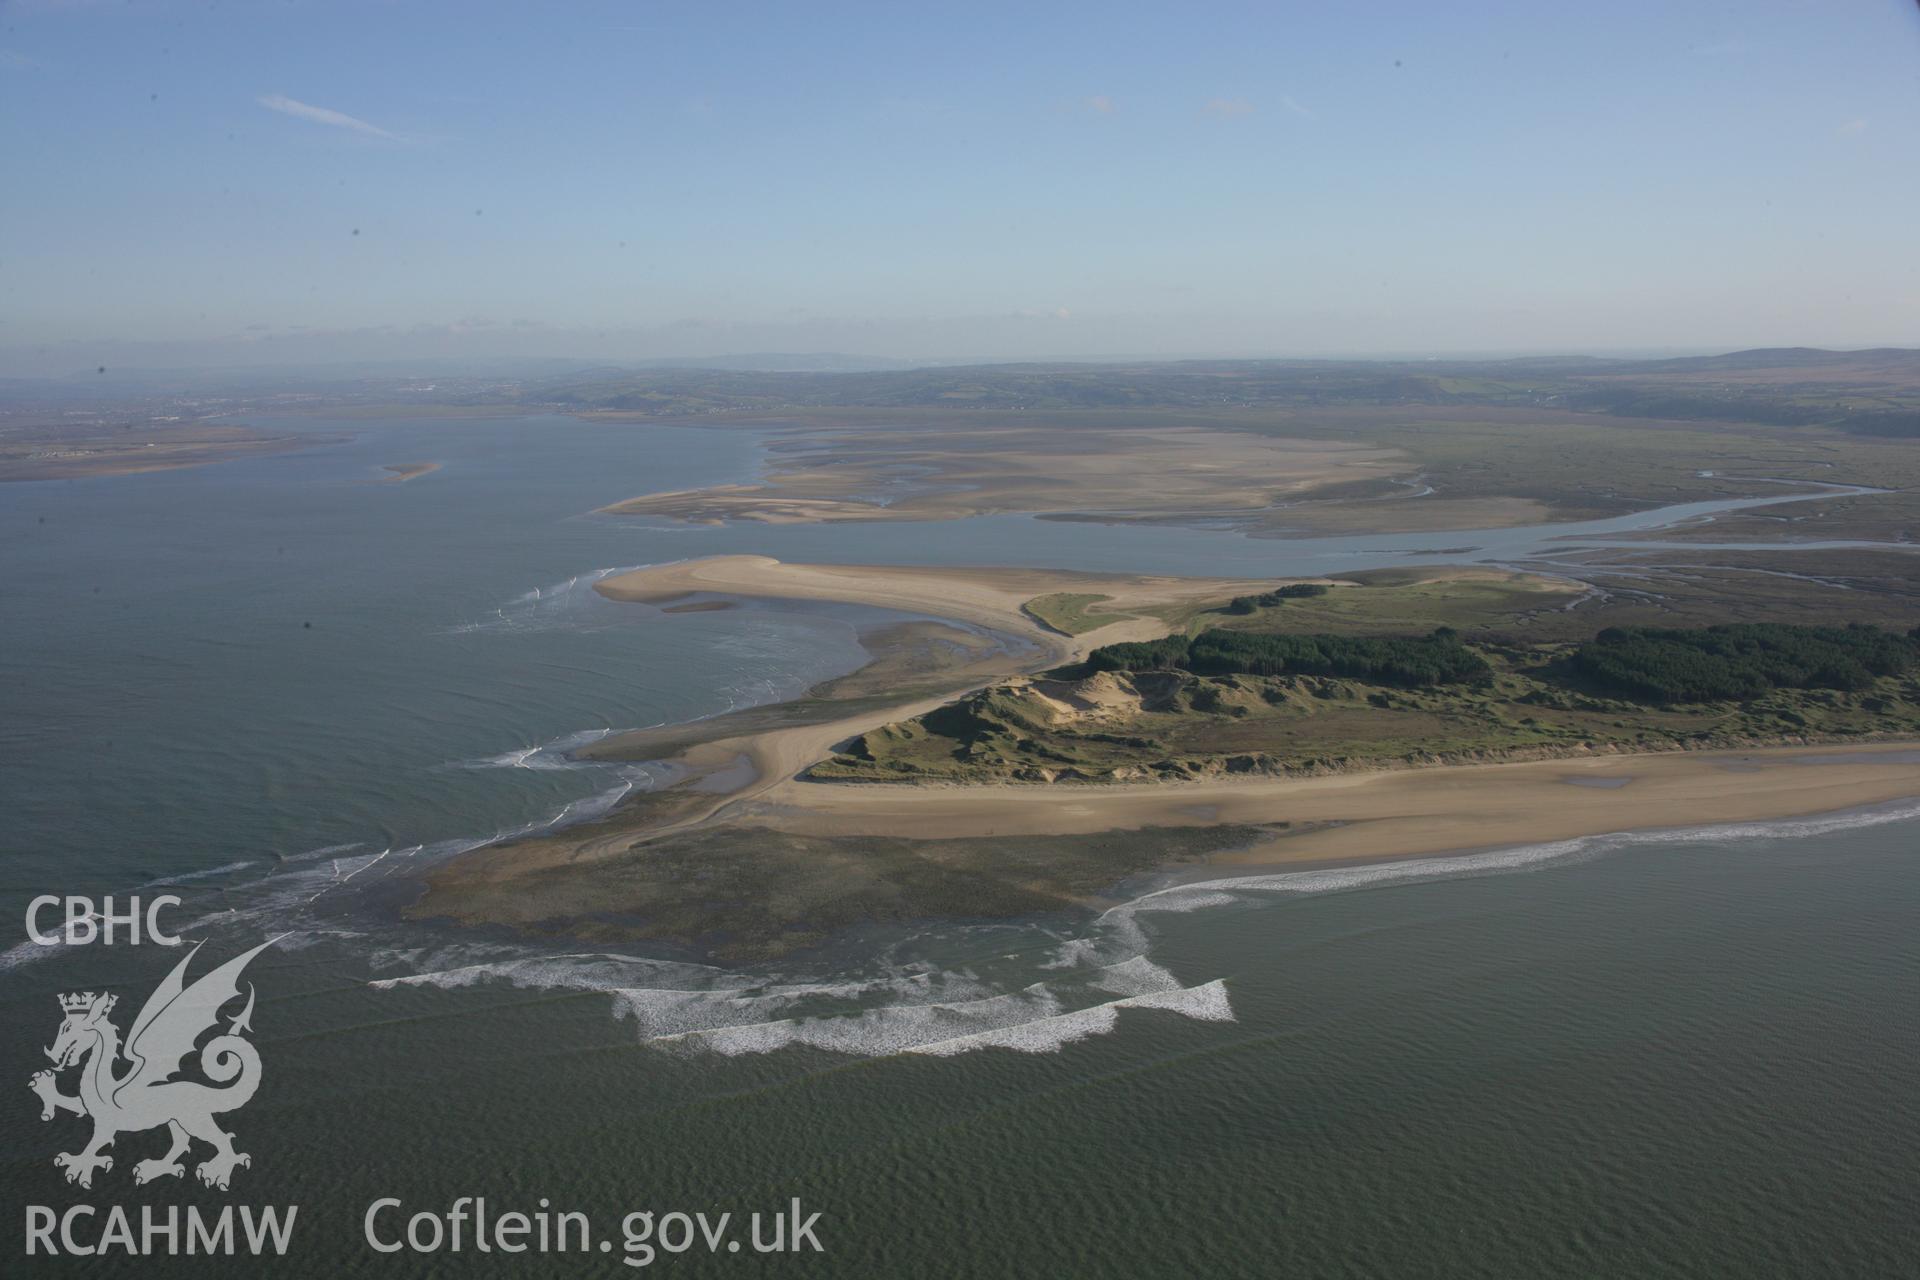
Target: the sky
(204, 183)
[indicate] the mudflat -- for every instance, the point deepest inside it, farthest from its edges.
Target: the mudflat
(1108, 472)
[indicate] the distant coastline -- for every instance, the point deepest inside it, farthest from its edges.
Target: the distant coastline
(44, 454)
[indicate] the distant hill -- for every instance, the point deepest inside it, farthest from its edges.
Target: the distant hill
(1779, 362)
(1872, 392)
(790, 362)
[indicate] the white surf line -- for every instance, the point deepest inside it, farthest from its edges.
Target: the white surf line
(1036, 991)
(187, 876)
(888, 1030)
(338, 879)
(312, 854)
(1206, 1002)
(28, 952)
(383, 853)
(534, 966)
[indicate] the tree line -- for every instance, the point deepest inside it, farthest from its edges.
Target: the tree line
(1735, 662)
(1732, 662)
(1409, 661)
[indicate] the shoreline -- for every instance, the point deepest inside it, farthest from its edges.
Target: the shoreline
(990, 597)
(1898, 809)
(1390, 814)
(758, 880)
(993, 599)
(1122, 472)
(401, 472)
(97, 456)
(745, 858)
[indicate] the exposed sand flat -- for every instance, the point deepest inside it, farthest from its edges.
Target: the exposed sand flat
(785, 850)
(1388, 814)
(77, 455)
(404, 471)
(1410, 514)
(783, 870)
(985, 597)
(1122, 472)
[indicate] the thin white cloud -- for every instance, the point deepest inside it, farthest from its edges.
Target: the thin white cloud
(1287, 101)
(1101, 103)
(1854, 126)
(322, 115)
(1228, 108)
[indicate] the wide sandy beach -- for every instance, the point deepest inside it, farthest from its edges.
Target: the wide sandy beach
(1360, 814)
(1389, 813)
(1365, 815)
(991, 598)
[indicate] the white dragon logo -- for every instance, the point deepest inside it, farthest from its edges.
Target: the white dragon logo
(145, 1096)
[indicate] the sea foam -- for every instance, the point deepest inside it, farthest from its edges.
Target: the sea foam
(561, 604)
(1207, 1002)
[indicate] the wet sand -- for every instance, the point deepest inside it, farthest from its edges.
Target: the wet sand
(1121, 473)
(989, 598)
(791, 866)
(1389, 813)
(791, 847)
(405, 471)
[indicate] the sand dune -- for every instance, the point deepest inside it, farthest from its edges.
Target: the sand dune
(1392, 813)
(1360, 816)
(990, 598)
(1379, 813)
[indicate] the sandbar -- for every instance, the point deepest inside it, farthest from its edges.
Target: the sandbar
(1114, 473)
(404, 471)
(1379, 814)
(750, 859)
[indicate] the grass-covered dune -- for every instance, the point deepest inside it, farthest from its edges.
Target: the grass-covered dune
(1238, 702)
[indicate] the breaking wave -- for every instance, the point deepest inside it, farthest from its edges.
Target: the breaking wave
(1205, 1003)
(1058, 992)
(188, 877)
(25, 953)
(554, 755)
(562, 604)
(681, 1007)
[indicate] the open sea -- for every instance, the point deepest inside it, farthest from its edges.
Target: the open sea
(275, 686)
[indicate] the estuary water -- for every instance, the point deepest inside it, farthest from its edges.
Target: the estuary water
(274, 686)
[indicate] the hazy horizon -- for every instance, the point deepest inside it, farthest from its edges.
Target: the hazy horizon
(134, 375)
(311, 185)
